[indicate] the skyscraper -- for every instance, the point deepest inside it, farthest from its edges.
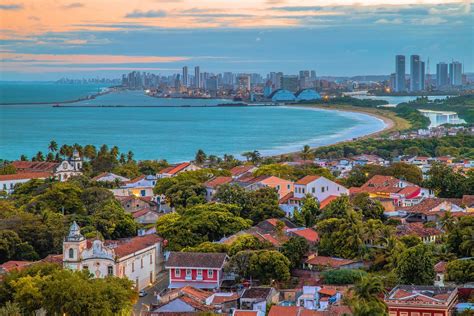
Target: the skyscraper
(455, 73)
(289, 83)
(197, 77)
(415, 73)
(422, 75)
(399, 73)
(185, 76)
(442, 78)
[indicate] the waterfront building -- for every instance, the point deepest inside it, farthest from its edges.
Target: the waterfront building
(442, 78)
(185, 76)
(455, 73)
(212, 85)
(416, 73)
(197, 77)
(399, 73)
(282, 95)
(138, 259)
(307, 95)
(243, 83)
(289, 83)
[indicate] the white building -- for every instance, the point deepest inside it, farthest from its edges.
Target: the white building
(318, 187)
(8, 181)
(138, 259)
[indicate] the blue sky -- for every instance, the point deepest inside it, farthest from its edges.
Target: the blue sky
(334, 38)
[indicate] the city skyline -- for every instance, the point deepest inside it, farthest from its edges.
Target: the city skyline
(75, 39)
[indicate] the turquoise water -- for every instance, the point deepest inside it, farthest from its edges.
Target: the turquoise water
(175, 133)
(28, 92)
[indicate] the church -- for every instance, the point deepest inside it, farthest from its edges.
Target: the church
(139, 258)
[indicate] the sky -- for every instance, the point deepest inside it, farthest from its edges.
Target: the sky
(51, 39)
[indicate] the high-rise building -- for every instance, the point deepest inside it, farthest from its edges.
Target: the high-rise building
(455, 73)
(289, 83)
(243, 82)
(313, 75)
(212, 85)
(416, 73)
(422, 75)
(185, 76)
(197, 77)
(442, 78)
(399, 73)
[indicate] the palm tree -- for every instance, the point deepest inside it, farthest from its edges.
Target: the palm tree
(369, 288)
(39, 156)
(53, 146)
(23, 158)
(10, 309)
(247, 155)
(90, 152)
(65, 151)
(200, 157)
(122, 158)
(447, 221)
(306, 153)
(114, 151)
(255, 157)
(130, 156)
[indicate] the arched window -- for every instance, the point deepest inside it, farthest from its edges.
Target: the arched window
(71, 253)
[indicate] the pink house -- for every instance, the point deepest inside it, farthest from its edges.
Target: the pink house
(196, 269)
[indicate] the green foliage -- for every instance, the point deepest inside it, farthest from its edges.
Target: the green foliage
(264, 265)
(360, 174)
(10, 309)
(367, 297)
(460, 271)
(462, 105)
(368, 207)
(309, 211)
(416, 266)
(208, 222)
(255, 205)
(13, 248)
(61, 291)
(292, 173)
(448, 183)
(247, 242)
(151, 167)
(410, 240)
(295, 249)
(207, 246)
(7, 169)
(460, 239)
(129, 170)
(342, 276)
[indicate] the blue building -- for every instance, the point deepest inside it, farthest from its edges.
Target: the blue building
(282, 95)
(307, 95)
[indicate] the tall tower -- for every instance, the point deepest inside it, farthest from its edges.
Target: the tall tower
(399, 73)
(197, 77)
(76, 160)
(455, 73)
(73, 245)
(185, 76)
(415, 73)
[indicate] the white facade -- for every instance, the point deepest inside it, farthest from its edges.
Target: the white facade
(320, 188)
(8, 182)
(69, 168)
(139, 265)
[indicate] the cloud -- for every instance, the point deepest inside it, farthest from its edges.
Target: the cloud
(11, 7)
(73, 5)
(389, 21)
(137, 14)
(297, 8)
(435, 20)
(34, 18)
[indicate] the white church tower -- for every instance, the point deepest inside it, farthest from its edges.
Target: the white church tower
(73, 246)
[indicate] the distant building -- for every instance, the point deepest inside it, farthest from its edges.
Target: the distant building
(282, 95)
(243, 83)
(197, 77)
(416, 73)
(185, 76)
(307, 95)
(9, 181)
(442, 78)
(455, 73)
(289, 83)
(400, 73)
(212, 85)
(138, 258)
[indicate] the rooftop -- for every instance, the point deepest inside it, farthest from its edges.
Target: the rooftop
(196, 260)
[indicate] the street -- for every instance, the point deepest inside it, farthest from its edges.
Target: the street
(144, 303)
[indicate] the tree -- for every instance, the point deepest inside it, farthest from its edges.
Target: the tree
(410, 240)
(342, 276)
(445, 182)
(200, 157)
(7, 169)
(254, 156)
(306, 153)
(310, 210)
(90, 152)
(182, 194)
(207, 246)
(39, 156)
(460, 271)
(339, 208)
(368, 207)
(13, 248)
(130, 156)
(152, 166)
(367, 297)
(53, 146)
(295, 249)
(277, 170)
(112, 221)
(460, 239)
(247, 242)
(23, 158)
(65, 151)
(416, 266)
(10, 309)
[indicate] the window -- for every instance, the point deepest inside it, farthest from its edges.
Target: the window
(4, 186)
(210, 273)
(141, 263)
(278, 187)
(322, 189)
(188, 274)
(177, 273)
(151, 259)
(71, 253)
(142, 192)
(110, 270)
(133, 266)
(288, 186)
(199, 274)
(338, 188)
(313, 190)
(302, 190)
(85, 267)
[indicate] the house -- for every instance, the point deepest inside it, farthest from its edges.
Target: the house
(440, 269)
(468, 202)
(239, 171)
(138, 258)
(146, 216)
(418, 300)
(362, 160)
(174, 170)
(184, 301)
(132, 203)
(317, 298)
(309, 234)
(315, 262)
(282, 186)
(224, 302)
(213, 184)
(431, 209)
(61, 170)
(9, 181)
(110, 177)
(426, 234)
(257, 298)
(140, 187)
(196, 269)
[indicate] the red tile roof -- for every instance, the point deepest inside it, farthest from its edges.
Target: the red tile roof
(239, 170)
(142, 212)
(327, 201)
(220, 299)
(245, 313)
(426, 206)
(331, 262)
(286, 198)
(175, 169)
(132, 245)
(25, 176)
(306, 180)
(417, 229)
(284, 310)
(35, 166)
(195, 293)
(468, 200)
(327, 291)
(308, 233)
(14, 265)
(440, 267)
(217, 181)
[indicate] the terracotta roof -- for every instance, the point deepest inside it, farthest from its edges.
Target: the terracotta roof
(426, 206)
(136, 179)
(195, 293)
(327, 201)
(417, 229)
(142, 212)
(25, 175)
(129, 246)
(239, 170)
(195, 303)
(331, 262)
(468, 200)
(284, 310)
(440, 267)
(327, 291)
(306, 180)
(35, 166)
(286, 198)
(257, 293)
(307, 233)
(196, 260)
(53, 259)
(275, 242)
(217, 181)
(14, 265)
(175, 169)
(381, 181)
(245, 313)
(419, 293)
(339, 310)
(220, 299)
(408, 191)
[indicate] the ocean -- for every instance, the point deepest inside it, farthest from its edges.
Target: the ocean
(174, 133)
